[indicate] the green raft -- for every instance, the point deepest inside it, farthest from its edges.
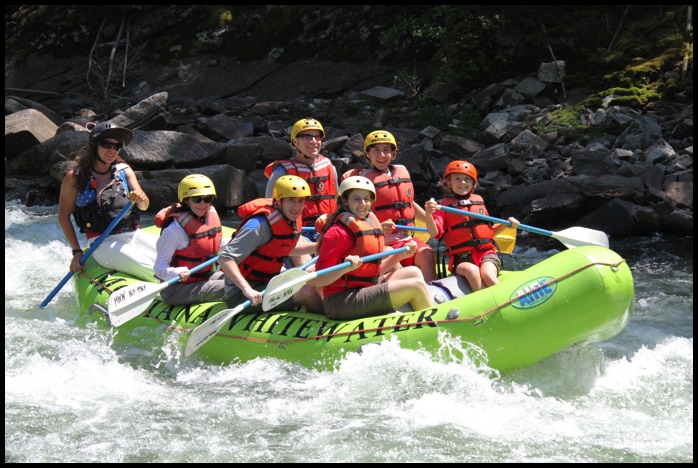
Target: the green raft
(580, 295)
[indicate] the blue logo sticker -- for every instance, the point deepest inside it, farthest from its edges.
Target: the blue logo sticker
(534, 293)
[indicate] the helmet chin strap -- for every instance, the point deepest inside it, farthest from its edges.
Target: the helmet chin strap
(305, 158)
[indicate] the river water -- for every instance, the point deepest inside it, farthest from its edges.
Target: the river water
(75, 394)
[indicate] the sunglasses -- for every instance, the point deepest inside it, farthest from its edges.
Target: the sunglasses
(309, 137)
(206, 199)
(110, 145)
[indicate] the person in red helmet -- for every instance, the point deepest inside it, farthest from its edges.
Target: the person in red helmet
(469, 242)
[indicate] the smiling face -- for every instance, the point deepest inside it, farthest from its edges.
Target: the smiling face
(460, 184)
(108, 150)
(308, 144)
(359, 202)
(380, 155)
(292, 207)
(199, 205)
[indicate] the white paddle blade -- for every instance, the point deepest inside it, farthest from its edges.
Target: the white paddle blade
(207, 330)
(129, 302)
(581, 236)
(283, 286)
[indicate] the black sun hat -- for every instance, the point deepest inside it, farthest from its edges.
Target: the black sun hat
(104, 130)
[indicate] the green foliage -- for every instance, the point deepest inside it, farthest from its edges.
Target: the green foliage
(603, 45)
(226, 18)
(409, 80)
(563, 117)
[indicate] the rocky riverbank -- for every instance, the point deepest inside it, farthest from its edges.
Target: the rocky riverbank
(634, 177)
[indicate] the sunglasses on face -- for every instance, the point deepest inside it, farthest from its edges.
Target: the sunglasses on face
(110, 145)
(309, 137)
(206, 199)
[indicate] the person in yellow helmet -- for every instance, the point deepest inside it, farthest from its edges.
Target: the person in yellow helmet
(395, 203)
(307, 162)
(267, 235)
(94, 192)
(191, 234)
(371, 288)
(469, 241)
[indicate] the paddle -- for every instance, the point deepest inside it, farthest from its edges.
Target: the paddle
(402, 227)
(87, 254)
(130, 302)
(572, 237)
(289, 282)
(212, 326)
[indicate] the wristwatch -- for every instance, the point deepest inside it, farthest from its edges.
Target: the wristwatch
(77, 251)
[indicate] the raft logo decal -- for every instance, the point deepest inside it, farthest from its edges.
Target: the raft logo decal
(534, 293)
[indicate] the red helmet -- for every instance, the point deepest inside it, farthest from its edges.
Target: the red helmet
(460, 167)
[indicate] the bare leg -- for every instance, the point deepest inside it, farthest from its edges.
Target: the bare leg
(407, 285)
(308, 297)
(489, 273)
(471, 273)
(425, 260)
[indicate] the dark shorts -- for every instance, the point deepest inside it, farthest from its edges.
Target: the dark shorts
(478, 258)
(358, 303)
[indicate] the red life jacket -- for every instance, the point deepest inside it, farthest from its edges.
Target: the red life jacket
(394, 193)
(266, 262)
(321, 181)
(369, 241)
(204, 240)
(463, 234)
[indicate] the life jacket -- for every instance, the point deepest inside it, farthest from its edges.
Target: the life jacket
(321, 181)
(369, 241)
(394, 193)
(94, 211)
(463, 234)
(267, 261)
(204, 240)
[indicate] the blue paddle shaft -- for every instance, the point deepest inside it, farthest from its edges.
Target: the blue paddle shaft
(367, 258)
(505, 222)
(87, 254)
(402, 227)
(208, 262)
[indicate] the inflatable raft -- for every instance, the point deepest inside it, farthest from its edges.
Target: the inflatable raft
(579, 295)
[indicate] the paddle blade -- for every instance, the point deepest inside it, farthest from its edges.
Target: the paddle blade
(130, 302)
(421, 234)
(207, 330)
(506, 238)
(285, 285)
(581, 236)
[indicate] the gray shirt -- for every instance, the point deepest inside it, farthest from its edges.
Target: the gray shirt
(255, 233)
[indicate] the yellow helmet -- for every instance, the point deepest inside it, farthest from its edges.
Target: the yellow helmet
(195, 185)
(356, 182)
(290, 186)
(306, 124)
(380, 136)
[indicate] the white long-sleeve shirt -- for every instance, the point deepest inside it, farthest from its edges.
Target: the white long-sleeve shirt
(172, 238)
